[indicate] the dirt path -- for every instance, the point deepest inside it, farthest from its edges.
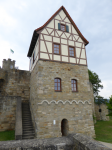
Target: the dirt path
(109, 145)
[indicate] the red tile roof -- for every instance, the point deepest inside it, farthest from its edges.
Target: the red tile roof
(35, 34)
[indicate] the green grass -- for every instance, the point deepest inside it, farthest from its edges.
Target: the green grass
(7, 135)
(103, 131)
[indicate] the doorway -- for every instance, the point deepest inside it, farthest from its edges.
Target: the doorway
(64, 127)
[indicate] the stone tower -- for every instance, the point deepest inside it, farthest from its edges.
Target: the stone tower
(8, 64)
(61, 99)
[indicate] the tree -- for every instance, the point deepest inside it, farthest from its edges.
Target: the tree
(96, 82)
(99, 100)
(109, 106)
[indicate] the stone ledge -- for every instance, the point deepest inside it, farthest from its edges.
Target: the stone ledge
(71, 142)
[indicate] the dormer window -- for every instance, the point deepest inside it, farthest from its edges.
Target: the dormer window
(63, 27)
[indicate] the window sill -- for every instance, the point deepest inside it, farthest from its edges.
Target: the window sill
(64, 31)
(72, 56)
(56, 54)
(57, 91)
(74, 91)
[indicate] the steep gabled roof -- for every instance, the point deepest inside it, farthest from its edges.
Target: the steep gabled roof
(35, 34)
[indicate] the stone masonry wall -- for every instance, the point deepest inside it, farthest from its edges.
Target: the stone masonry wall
(79, 115)
(75, 141)
(104, 112)
(7, 112)
(15, 82)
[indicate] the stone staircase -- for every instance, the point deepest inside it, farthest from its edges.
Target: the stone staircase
(28, 129)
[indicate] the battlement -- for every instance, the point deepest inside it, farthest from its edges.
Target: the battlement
(8, 64)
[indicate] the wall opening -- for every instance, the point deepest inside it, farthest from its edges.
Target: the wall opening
(64, 127)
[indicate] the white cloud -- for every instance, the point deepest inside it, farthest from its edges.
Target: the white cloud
(106, 92)
(6, 19)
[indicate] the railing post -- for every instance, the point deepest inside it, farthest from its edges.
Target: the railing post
(18, 126)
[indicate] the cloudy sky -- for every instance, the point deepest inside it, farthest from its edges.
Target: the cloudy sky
(19, 18)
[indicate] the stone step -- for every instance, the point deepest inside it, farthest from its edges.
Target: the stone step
(27, 126)
(26, 123)
(27, 137)
(26, 120)
(28, 134)
(23, 116)
(24, 132)
(27, 129)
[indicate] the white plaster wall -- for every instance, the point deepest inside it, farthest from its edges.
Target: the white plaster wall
(42, 46)
(83, 53)
(56, 39)
(58, 17)
(63, 41)
(43, 55)
(62, 14)
(49, 46)
(82, 61)
(56, 24)
(51, 24)
(78, 52)
(57, 57)
(64, 58)
(64, 49)
(48, 38)
(78, 44)
(74, 31)
(71, 43)
(72, 60)
(44, 31)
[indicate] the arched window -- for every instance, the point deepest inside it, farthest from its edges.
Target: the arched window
(74, 85)
(57, 84)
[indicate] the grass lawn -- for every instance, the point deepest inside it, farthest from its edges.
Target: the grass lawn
(7, 135)
(103, 130)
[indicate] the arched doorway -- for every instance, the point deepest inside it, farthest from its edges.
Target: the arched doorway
(64, 127)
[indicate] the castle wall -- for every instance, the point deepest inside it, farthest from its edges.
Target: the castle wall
(15, 82)
(104, 111)
(7, 112)
(76, 107)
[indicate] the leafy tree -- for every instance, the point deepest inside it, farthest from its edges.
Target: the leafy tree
(96, 82)
(109, 104)
(99, 100)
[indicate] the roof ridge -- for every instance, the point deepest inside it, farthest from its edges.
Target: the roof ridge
(73, 23)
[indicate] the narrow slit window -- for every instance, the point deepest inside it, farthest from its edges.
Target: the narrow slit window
(74, 85)
(57, 84)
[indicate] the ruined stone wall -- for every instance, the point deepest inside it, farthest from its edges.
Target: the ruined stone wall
(104, 111)
(15, 82)
(7, 112)
(74, 141)
(78, 112)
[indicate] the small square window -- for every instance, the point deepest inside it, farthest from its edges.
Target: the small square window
(63, 27)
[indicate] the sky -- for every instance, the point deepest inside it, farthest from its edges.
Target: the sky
(19, 18)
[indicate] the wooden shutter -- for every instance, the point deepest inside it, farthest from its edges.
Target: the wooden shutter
(59, 26)
(67, 28)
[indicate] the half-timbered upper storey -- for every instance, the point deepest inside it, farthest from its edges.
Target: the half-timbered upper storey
(59, 40)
